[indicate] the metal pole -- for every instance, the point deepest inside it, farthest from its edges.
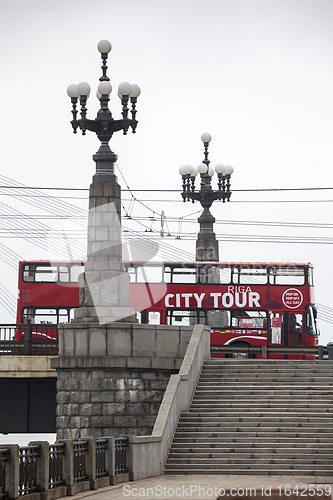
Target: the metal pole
(28, 337)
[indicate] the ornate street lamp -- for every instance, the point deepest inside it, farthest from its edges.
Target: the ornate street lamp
(104, 125)
(207, 245)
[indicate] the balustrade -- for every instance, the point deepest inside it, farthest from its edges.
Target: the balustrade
(26, 464)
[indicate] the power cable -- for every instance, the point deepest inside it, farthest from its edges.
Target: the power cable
(17, 185)
(8, 300)
(40, 233)
(48, 202)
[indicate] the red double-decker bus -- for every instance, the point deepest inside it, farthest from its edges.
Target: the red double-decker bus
(245, 304)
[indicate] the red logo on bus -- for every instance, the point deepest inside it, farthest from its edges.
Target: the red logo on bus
(292, 298)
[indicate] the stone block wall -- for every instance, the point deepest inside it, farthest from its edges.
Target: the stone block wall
(112, 378)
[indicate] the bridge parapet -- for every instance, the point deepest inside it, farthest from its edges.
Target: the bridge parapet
(41, 471)
(18, 366)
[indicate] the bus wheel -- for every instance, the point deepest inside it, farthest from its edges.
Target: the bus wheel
(239, 355)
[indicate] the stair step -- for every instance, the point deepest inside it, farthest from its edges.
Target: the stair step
(249, 439)
(257, 417)
(255, 467)
(218, 416)
(239, 471)
(241, 449)
(308, 458)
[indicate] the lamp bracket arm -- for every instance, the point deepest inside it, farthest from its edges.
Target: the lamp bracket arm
(86, 124)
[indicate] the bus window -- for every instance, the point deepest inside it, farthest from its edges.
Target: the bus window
(186, 317)
(29, 273)
(214, 274)
(75, 271)
(46, 315)
(63, 316)
(167, 274)
(208, 274)
(138, 316)
(276, 328)
(217, 318)
(311, 324)
(41, 315)
(132, 274)
(246, 275)
(295, 328)
(40, 273)
(287, 275)
(225, 275)
(154, 318)
(310, 276)
(47, 274)
(64, 274)
(184, 275)
(149, 274)
(249, 319)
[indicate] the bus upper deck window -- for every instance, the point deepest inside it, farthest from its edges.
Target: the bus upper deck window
(75, 272)
(64, 274)
(287, 275)
(149, 274)
(310, 276)
(131, 274)
(214, 274)
(248, 275)
(184, 275)
(167, 274)
(46, 273)
(179, 274)
(225, 274)
(29, 272)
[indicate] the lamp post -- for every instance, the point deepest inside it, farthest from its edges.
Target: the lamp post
(104, 125)
(104, 286)
(207, 244)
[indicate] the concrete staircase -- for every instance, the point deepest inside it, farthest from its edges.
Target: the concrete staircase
(257, 417)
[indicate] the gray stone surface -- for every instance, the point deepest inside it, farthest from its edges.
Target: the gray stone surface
(112, 378)
(104, 287)
(90, 406)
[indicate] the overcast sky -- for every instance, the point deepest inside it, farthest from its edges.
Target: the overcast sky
(256, 74)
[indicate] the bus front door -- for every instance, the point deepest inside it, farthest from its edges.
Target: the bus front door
(295, 332)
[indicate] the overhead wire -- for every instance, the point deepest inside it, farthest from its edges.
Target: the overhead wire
(8, 256)
(17, 185)
(39, 233)
(325, 313)
(56, 208)
(8, 300)
(47, 204)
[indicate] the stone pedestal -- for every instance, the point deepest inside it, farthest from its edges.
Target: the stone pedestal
(112, 378)
(104, 287)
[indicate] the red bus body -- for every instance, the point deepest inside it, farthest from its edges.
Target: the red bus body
(244, 303)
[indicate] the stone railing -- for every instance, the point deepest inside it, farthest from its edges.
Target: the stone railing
(42, 472)
(148, 454)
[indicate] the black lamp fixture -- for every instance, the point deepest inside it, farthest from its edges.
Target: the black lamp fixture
(206, 195)
(104, 125)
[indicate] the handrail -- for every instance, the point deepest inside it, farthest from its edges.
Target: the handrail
(265, 350)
